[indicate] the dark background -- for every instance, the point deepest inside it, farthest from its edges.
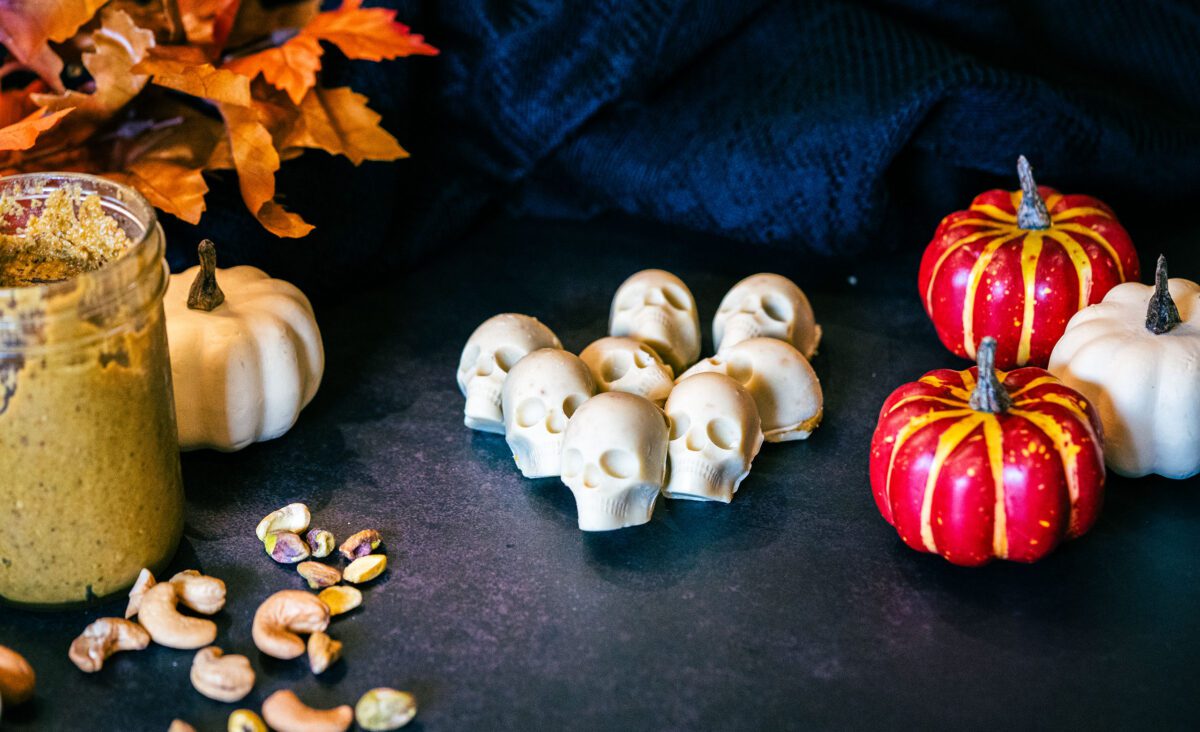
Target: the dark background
(555, 152)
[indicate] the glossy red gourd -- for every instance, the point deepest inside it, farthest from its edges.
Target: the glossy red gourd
(1017, 265)
(978, 465)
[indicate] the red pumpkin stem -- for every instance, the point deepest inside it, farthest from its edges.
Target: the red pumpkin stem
(989, 395)
(1032, 214)
(206, 293)
(1161, 315)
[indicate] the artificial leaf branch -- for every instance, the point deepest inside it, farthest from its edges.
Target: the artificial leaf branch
(177, 88)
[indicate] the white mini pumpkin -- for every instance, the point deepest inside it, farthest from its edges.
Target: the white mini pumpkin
(244, 361)
(1136, 357)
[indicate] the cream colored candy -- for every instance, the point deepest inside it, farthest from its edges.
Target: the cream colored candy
(656, 308)
(491, 351)
(623, 364)
(614, 460)
(540, 395)
(715, 434)
(770, 306)
(784, 386)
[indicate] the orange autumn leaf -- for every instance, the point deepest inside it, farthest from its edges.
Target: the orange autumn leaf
(22, 135)
(370, 34)
(27, 27)
(118, 45)
(256, 161)
(340, 122)
(172, 187)
(291, 67)
(257, 19)
(186, 69)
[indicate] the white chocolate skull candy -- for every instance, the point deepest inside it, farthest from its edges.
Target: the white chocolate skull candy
(715, 434)
(491, 351)
(614, 460)
(656, 308)
(623, 364)
(767, 305)
(780, 379)
(540, 394)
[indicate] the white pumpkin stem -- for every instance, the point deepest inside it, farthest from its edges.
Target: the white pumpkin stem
(1162, 315)
(206, 293)
(989, 395)
(1032, 214)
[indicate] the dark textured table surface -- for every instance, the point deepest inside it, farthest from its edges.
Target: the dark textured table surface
(794, 607)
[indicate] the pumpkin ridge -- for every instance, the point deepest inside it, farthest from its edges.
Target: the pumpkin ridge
(994, 212)
(1081, 260)
(973, 281)
(993, 437)
(910, 428)
(1098, 238)
(1068, 450)
(958, 244)
(1031, 252)
(947, 443)
(1076, 212)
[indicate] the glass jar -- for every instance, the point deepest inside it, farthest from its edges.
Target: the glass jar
(90, 487)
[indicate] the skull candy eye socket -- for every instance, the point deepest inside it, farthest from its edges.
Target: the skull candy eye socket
(679, 425)
(507, 357)
(530, 412)
(724, 433)
(629, 299)
(739, 369)
(618, 463)
(572, 462)
(675, 298)
(571, 403)
(776, 308)
(615, 365)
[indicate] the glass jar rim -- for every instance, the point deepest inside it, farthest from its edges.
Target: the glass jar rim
(115, 280)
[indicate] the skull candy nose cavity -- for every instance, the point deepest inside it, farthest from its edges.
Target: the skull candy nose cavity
(556, 423)
(591, 476)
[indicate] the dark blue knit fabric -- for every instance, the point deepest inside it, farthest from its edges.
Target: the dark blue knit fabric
(825, 128)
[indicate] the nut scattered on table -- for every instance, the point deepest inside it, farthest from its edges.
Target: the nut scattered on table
(293, 517)
(204, 594)
(179, 725)
(319, 575)
(167, 626)
(221, 677)
(284, 712)
(365, 569)
(17, 678)
(341, 599)
(145, 580)
(284, 614)
(320, 542)
(103, 638)
(323, 651)
(360, 544)
(245, 720)
(384, 709)
(285, 547)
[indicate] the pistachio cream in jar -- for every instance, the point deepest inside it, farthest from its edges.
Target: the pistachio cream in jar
(90, 489)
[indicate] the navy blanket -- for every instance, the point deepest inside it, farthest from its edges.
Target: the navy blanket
(823, 128)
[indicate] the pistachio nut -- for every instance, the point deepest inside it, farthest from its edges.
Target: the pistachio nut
(385, 709)
(360, 544)
(365, 569)
(293, 517)
(340, 599)
(320, 542)
(319, 575)
(323, 651)
(286, 547)
(17, 678)
(178, 725)
(245, 720)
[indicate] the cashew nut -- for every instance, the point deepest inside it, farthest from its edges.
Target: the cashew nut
(145, 581)
(204, 594)
(167, 626)
(220, 677)
(179, 725)
(284, 712)
(16, 678)
(103, 638)
(282, 616)
(323, 651)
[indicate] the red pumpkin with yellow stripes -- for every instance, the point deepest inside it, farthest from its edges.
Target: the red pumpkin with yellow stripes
(1017, 265)
(979, 465)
